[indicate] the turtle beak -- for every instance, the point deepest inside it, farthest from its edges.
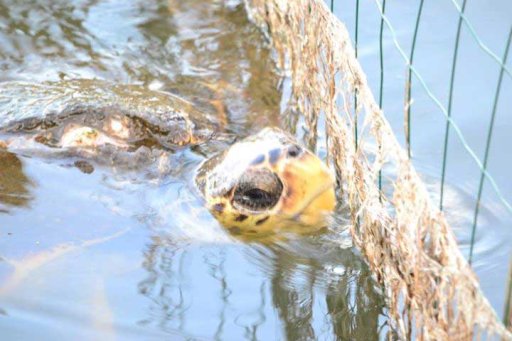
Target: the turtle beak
(309, 190)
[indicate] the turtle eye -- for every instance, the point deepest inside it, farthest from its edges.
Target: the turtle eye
(256, 194)
(257, 190)
(255, 198)
(294, 151)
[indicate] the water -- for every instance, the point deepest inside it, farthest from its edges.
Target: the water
(130, 252)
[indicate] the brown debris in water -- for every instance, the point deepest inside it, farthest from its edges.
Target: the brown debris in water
(432, 291)
(84, 166)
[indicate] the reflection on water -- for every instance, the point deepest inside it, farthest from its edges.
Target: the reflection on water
(130, 252)
(316, 289)
(14, 184)
(353, 306)
(179, 46)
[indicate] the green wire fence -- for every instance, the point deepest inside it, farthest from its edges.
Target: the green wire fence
(463, 25)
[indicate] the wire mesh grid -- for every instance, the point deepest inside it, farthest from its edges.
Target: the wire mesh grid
(445, 106)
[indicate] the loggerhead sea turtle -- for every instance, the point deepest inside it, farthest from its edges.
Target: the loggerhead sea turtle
(258, 185)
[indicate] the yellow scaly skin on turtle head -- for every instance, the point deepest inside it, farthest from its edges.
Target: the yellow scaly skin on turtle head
(265, 184)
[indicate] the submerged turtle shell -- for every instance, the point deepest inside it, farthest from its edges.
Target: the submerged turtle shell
(168, 119)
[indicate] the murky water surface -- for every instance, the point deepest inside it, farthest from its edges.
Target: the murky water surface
(128, 251)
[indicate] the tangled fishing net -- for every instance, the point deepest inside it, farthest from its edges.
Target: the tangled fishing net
(432, 291)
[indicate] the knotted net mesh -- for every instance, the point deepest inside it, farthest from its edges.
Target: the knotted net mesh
(432, 292)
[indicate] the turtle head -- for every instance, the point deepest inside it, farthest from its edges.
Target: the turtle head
(267, 182)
